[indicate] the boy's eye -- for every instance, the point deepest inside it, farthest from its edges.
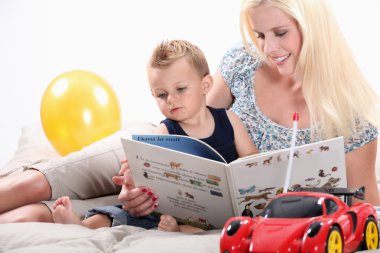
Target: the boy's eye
(161, 95)
(181, 89)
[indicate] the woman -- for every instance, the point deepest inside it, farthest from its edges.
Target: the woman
(299, 61)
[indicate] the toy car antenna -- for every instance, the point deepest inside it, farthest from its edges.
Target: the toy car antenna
(296, 118)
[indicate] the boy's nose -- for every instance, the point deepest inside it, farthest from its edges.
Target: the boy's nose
(170, 98)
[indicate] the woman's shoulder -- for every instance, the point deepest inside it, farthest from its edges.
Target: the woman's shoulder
(238, 55)
(238, 62)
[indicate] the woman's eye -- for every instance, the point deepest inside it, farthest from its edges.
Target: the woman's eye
(280, 34)
(260, 36)
(181, 89)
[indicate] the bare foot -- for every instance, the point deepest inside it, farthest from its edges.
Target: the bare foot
(168, 223)
(63, 212)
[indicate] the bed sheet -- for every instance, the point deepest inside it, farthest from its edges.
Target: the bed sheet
(48, 237)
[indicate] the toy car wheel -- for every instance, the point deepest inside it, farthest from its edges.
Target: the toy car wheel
(334, 241)
(371, 235)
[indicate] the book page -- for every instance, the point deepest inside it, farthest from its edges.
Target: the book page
(259, 179)
(192, 189)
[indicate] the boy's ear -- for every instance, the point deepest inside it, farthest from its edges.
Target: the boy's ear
(207, 82)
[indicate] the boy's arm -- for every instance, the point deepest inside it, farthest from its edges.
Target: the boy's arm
(161, 129)
(243, 142)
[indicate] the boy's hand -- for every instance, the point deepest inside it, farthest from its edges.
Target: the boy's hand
(168, 223)
(124, 178)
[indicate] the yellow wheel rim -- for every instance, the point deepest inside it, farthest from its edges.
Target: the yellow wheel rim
(371, 235)
(335, 242)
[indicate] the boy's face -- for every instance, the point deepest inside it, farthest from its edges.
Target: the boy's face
(179, 91)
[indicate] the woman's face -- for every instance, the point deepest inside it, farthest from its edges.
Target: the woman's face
(278, 37)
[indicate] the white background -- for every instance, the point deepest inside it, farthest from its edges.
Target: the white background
(41, 39)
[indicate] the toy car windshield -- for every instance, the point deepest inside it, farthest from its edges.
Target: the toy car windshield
(293, 207)
(346, 193)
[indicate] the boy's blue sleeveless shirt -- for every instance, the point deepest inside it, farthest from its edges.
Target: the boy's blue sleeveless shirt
(222, 139)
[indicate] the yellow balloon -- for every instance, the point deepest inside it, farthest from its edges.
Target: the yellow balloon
(77, 109)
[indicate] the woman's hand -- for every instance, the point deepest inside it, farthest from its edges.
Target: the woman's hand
(137, 201)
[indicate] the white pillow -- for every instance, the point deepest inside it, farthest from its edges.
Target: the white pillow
(33, 145)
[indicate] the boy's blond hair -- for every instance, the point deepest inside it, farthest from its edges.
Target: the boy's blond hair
(168, 52)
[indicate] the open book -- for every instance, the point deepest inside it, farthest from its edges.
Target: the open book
(197, 187)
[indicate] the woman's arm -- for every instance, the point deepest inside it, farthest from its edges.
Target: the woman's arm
(360, 165)
(220, 95)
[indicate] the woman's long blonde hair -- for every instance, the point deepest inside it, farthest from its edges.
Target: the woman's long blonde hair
(333, 86)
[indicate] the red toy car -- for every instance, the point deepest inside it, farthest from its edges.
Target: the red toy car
(305, 221)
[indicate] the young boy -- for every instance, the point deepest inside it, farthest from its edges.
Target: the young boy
(179, 80)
